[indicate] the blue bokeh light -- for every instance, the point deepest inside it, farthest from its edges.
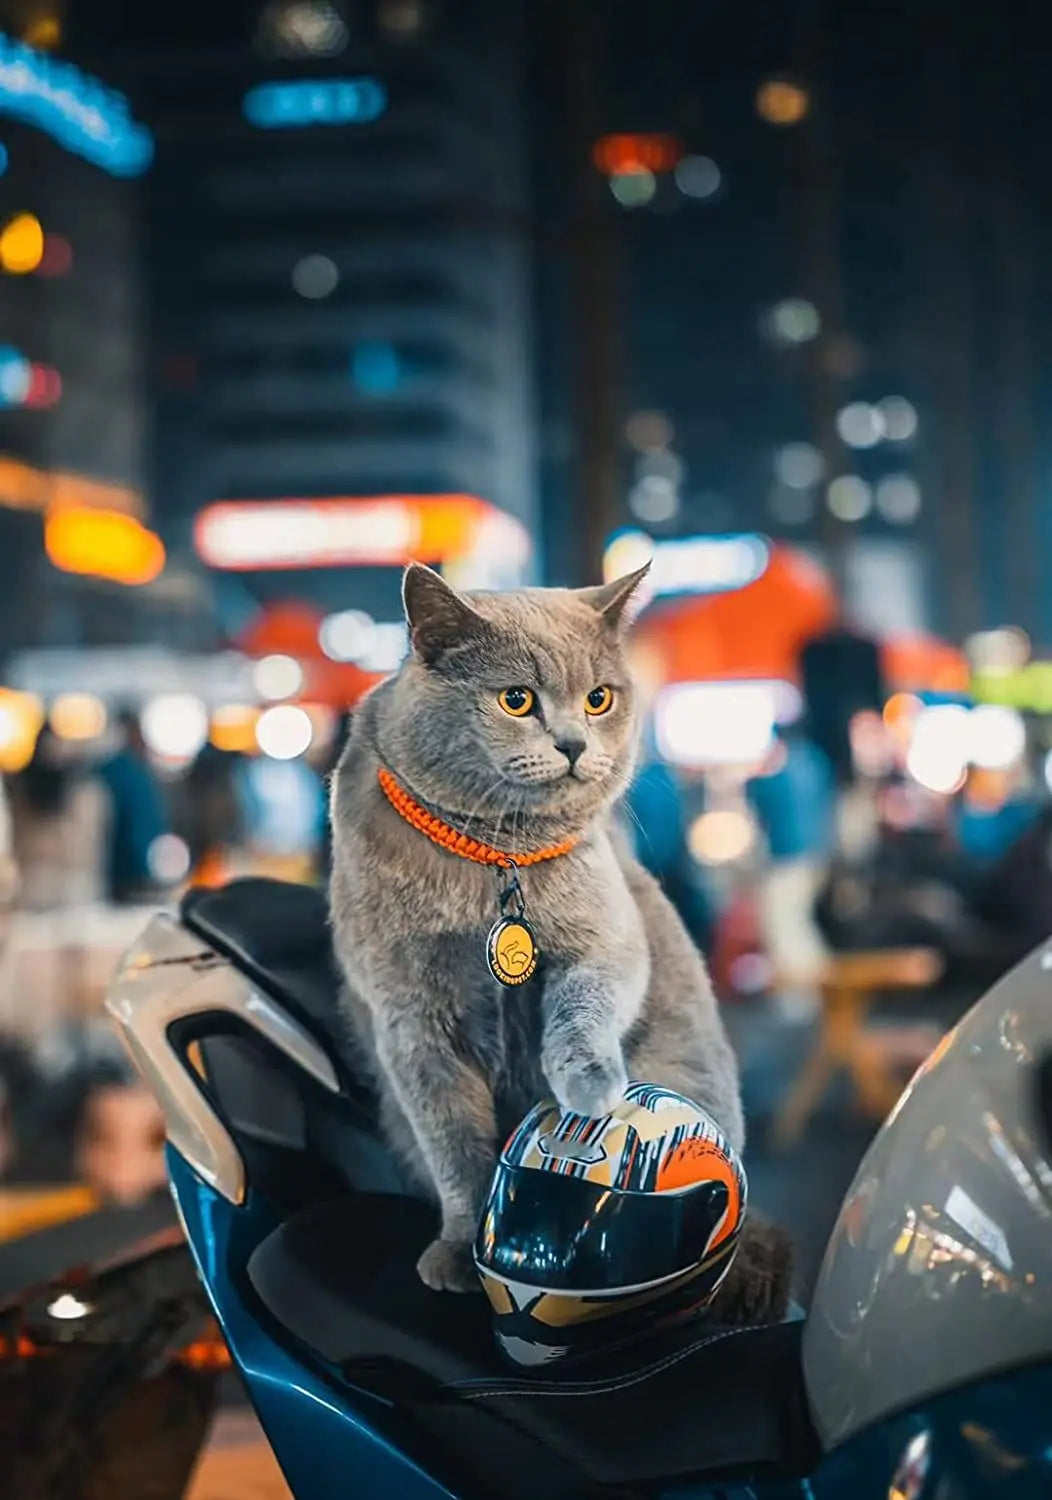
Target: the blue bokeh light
(315, 101)
(376, 369)
(78, 111)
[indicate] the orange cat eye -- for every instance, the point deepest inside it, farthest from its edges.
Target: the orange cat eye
(599, 701)
(517, 701)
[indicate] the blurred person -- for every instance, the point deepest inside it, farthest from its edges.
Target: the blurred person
(210, 814)
(794, 800)
(654, 803)
(60, 817)
(138, 814)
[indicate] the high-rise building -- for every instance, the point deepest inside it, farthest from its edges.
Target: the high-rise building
(340, 281)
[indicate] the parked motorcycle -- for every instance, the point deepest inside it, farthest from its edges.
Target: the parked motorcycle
(923, 1367)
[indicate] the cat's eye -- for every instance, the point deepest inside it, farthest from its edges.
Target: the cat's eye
(599, 701)
(517, 701)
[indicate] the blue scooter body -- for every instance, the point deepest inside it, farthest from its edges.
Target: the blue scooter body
(990, 1439)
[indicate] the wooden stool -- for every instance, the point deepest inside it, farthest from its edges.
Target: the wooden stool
(848, 988)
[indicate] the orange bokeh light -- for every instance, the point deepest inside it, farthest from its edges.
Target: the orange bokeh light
(615, 154)
(103, 544)
(780, 102)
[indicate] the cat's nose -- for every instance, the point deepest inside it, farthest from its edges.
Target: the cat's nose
(573, 749)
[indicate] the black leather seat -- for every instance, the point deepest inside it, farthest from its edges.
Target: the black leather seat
(340, 1276)
(278, 934)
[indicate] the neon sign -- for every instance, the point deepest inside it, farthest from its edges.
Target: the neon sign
(315, 101)
(78, 111)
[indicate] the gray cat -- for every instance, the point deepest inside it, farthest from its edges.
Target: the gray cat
(514, 721)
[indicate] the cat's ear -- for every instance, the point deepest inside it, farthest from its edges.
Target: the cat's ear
(612, 600)
(436, 614)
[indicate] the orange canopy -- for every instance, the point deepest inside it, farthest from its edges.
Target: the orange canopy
(923, 663)
(752, 632)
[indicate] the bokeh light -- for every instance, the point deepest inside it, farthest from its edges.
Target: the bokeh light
(794, 320)
(315, 277)
(698, 177)
(898, 499)
(277, 676)
(899, 417)
(780, 102)
(284, 732)
(700, 724)
(78, 716)
(654, 498)
(348, 635)
(860, 425)
(849, 498)
(799, 465)
(175, 726)
(168, 859)
(21, 718)
(633, 189)
(233, 727)
(103, 544)
(996, 737)
(721, 836)
(938, 753)
(21, 245)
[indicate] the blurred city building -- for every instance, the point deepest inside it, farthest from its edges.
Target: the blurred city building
(339, 279)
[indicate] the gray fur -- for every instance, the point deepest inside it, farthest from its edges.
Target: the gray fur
(620, 992)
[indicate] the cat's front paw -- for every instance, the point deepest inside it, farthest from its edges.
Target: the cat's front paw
(446, 1266)
(594, 1088)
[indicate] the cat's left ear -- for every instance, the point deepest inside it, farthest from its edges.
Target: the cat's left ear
(436, 614)
(616, 601)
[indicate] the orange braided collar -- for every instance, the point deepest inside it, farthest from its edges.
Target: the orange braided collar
(458, 843)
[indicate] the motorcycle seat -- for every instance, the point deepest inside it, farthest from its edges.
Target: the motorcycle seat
(277, 933)
(340, 1277)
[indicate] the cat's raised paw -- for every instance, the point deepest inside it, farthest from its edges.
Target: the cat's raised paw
(594, 1089)
(448, 1267)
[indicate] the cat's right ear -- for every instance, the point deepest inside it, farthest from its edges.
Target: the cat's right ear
(436, 614)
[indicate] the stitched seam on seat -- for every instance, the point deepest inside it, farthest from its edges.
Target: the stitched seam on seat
(602, 1387)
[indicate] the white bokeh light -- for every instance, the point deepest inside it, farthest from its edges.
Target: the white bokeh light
(175, 725)
(898, 498)
(712, 723)
(348, 635)
(996, 737)
(315, 277)
(698, 177)
(939, 752)
(284, 732)
(794, 320)
(277, 677)
(860, 425)
(849, 498)
(799, 465)
(900, 418)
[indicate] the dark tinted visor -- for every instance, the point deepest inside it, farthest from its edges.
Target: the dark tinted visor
(567, 1234)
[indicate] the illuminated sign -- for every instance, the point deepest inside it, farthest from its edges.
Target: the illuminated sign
(78, 111)
(315, 101)
(689, 565)
(387, 530)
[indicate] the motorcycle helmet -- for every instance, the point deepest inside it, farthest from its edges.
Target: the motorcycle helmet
(596, 1228)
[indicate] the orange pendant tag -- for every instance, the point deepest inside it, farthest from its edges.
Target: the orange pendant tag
(511, 951)
(511, 948)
